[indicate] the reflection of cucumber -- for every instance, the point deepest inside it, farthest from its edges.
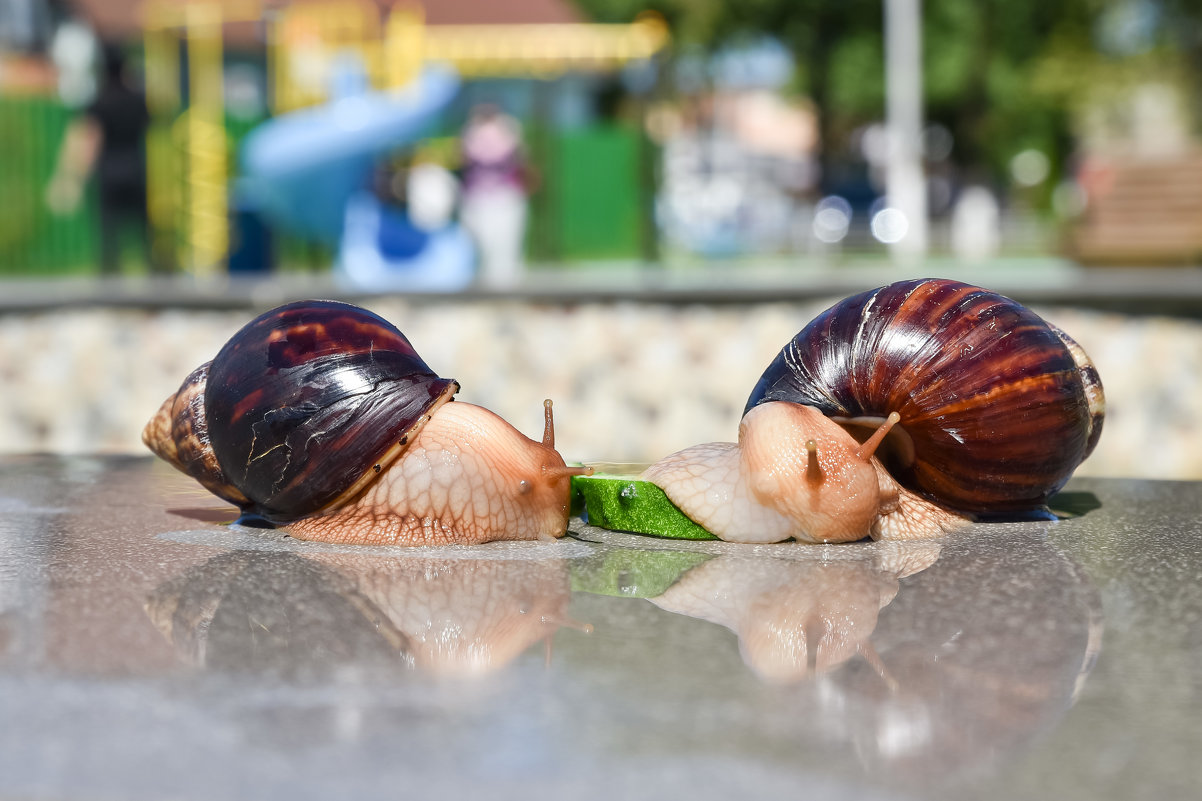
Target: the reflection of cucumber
(623, 503)
(633, 573)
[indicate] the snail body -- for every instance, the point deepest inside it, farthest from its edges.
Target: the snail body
(965, 405)
(320, 416)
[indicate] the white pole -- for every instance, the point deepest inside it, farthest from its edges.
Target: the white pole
(905, 182)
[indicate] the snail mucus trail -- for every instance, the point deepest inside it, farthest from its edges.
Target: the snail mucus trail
(899, 413)
(320, 416)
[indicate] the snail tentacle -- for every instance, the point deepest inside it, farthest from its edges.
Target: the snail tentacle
(869, 446)
(548, 425)
(813, 473)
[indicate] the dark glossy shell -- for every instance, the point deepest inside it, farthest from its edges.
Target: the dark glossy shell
(308, 397)
(992, 396)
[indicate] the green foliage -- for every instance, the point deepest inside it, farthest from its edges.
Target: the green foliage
(852, 59)
(1002, 75)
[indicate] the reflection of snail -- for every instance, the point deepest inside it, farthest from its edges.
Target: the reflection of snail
(251, 609)
(321, 416)
(463, 616)
(988, 650)
(898, 413)
(916, 668)
(797, 618)
(267, 611)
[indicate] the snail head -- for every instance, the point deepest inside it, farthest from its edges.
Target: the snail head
(512, 485)
(809, 469)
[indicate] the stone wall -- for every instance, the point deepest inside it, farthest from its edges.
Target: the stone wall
(631, 381)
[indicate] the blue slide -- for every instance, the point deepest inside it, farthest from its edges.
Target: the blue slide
(308, 172)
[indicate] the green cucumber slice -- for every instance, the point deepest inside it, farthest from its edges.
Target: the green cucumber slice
(625, 503)
(629, 573)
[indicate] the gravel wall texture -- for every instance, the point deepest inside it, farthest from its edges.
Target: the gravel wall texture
(631, 381)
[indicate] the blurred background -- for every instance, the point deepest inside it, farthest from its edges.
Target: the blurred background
(626, 206)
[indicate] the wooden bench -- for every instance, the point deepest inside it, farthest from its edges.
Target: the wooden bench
(1142, 212)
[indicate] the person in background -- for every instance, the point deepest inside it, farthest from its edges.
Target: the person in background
(108, 139)
(494, 196)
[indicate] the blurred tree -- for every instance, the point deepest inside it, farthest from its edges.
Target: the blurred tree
(1182, 19)
(1001, 75)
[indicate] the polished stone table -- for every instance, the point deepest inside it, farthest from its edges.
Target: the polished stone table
(149, 651)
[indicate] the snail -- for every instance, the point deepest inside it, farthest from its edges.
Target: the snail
(320, 416)
(322, 612)
(799, 618)
(899, 413)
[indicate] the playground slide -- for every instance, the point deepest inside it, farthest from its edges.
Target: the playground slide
(305, 170)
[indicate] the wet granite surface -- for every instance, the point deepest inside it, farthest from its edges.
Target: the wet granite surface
(147, 651)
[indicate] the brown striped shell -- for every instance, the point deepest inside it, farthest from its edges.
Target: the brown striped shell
(998, 407)
(299, 409)
(179, 433)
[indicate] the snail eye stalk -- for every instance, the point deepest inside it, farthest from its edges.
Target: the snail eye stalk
(872, 443)
(813, 469)
(566, 471)
(548, 425)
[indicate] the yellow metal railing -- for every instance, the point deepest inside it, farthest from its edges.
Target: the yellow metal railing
(543, 49)
(309, 36)
(207, 236)
(187, 147)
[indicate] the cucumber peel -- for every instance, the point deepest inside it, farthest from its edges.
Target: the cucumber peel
(633, 573)
(625, 503)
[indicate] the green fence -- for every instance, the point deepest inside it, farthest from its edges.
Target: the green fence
(34, 240)
(593, 202)
(598, 204)
(595, 196)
